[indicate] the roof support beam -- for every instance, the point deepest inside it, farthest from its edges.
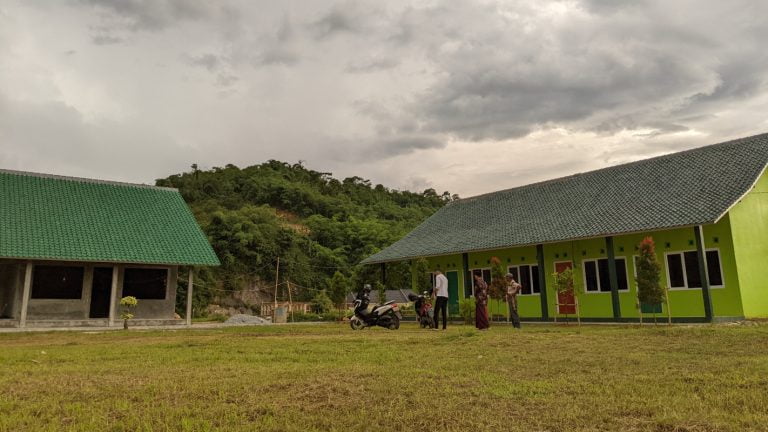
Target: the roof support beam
(542, 282)
(25, 295)
(190, 288)
(698, 232)
(613, 277)
(113, 296)
(467, 276)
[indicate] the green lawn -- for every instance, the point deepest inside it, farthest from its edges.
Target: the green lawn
(327, 377)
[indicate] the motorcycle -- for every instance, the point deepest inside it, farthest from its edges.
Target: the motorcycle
(387, 315)
(425, 313)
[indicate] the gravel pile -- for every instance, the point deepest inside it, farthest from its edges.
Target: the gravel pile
(242, 319)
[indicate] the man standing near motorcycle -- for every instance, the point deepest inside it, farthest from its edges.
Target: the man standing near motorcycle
(441, 297)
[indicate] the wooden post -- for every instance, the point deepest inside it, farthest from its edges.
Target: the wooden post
(25, 295)
(578, 312)
(190, 287)
(290, 299)
(113, 296)
(669, 308)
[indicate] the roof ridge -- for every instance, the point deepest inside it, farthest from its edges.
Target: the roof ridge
(557, 179)
(83, 179)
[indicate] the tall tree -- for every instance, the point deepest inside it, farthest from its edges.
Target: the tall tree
(649, 288)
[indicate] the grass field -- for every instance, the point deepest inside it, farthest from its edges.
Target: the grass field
(327, 377)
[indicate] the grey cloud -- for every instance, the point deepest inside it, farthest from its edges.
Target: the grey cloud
(335, 21)
(208, 61)
(152, 14)
(396, 146)
(371, 65)
(276, 56)
(52, 137)
(500, 83)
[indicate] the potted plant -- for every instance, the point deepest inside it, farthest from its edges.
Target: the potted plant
(128, 304)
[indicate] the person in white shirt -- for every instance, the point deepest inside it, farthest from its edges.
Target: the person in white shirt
(441, 297)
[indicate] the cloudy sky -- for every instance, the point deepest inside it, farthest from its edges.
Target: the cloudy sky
(463, 96)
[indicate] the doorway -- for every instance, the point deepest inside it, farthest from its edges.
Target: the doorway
(101, 290)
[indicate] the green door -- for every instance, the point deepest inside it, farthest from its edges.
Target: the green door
(453, 292)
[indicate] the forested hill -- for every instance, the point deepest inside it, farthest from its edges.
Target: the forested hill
(314, 222)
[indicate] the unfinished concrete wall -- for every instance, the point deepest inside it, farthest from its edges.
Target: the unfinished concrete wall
(64, 309)
(9, 289)
(151, 308)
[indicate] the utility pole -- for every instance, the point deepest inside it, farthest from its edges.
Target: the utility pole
(290, 300)
(277, 278)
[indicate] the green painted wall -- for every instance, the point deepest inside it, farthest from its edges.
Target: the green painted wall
(685, 303)
(749, 220)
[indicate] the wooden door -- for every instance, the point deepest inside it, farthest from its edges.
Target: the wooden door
(566, 300)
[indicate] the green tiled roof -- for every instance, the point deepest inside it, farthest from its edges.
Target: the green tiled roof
(681, 189)
(64, 218)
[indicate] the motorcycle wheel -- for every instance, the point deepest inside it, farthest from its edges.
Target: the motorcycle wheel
(356, 324)
(394, 324)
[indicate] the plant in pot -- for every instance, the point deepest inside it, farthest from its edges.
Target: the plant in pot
(128, 304)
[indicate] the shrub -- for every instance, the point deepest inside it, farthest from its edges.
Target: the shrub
(332, 315)
(467, 309)
(321, 303)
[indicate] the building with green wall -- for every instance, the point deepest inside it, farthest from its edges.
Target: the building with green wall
(706, 209)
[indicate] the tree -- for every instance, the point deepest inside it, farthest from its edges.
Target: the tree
(321, 303)
(382, 290)
(564, 285)
(420, 276)
(649, 289)
(498, 286)
(339, 287)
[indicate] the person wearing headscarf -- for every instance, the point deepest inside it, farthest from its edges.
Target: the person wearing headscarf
(481, 303)
(513, 289)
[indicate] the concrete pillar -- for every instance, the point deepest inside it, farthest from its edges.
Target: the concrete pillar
(698, 231)
(613, 277)
(190, 287)
(25, 295)
(542, 282)
(113, 296)
(467, 275)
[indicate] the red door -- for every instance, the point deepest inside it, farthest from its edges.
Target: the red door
(566, 300)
